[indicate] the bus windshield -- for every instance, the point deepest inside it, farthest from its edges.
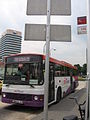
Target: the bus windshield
(24, 73)
(1, 72)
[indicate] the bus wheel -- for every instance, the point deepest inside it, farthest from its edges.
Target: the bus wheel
(74, 88)
(58, 95)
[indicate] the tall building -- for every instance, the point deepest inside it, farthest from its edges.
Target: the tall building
(10, 43)
(0, 51)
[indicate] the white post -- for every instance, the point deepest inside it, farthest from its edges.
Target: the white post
(44, 48)
(47, 62)
(88, 62)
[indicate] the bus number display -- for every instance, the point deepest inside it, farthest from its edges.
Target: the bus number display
(18, 59)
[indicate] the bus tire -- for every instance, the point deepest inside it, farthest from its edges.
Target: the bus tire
(59, 95)
(74, 88)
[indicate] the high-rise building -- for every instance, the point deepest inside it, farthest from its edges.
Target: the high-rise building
(0, 51)
(10, 43)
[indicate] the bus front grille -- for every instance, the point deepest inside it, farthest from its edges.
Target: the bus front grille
(19, 96)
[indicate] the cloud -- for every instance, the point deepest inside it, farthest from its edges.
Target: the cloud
(13, 15)
(74, 52)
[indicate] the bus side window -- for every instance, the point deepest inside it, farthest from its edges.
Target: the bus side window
(57, 70)
(28, 75)
(57, 73)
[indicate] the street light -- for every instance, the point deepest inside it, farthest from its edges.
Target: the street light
(54, 49)
(44, 50)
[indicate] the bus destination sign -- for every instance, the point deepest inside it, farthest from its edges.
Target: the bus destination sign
(22, 59)
(18, 59)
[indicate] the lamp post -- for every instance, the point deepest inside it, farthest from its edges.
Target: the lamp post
(44, 50)
(54, 49)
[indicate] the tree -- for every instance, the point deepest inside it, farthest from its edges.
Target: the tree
(81, 70)
(84, 69)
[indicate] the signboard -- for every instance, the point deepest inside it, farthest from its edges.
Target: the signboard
(37, 32)
(58, 7)
(81, 20)
(82, 30)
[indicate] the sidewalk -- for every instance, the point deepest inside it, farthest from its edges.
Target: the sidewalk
(65, 107)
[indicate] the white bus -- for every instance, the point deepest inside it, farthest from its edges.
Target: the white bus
(24, 80)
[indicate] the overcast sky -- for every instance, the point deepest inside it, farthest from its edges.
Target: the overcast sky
(13, 15)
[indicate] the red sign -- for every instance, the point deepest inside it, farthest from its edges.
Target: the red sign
(82, 20)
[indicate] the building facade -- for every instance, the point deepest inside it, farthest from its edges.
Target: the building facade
(10, 43)
(0, 51)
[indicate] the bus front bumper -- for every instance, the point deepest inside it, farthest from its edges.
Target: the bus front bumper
(33, 103)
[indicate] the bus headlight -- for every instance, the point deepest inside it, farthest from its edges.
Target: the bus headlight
(35, 97)
(4, 95)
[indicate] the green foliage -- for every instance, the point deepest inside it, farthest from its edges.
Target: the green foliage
(82, 70)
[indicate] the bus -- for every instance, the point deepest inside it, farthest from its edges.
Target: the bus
(24, 80)
(1, 75)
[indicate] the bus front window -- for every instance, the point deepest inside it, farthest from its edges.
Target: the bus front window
(26, 73)
(35, 74)
(11, 69)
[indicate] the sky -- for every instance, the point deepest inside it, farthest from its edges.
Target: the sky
(13, 16)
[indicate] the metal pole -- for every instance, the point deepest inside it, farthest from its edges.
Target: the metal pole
(47, 62)
(87, 117)
(44, 48)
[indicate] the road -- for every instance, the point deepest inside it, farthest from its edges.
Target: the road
(12, 112)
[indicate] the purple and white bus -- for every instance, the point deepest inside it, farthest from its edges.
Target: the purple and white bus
(24, 80)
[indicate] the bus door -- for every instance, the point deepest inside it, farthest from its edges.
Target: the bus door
(71, 80)
(51, 83)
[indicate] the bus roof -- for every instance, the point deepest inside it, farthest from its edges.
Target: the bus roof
(22, 54)
(63, 63)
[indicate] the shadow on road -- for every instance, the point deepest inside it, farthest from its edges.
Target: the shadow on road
(24, 109)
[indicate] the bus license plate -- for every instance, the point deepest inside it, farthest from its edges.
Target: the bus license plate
(17, 101)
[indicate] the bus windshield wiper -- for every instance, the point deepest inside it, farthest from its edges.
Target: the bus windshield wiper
(11, 82)
(7, 85)
(15, 82)
(31, 86)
